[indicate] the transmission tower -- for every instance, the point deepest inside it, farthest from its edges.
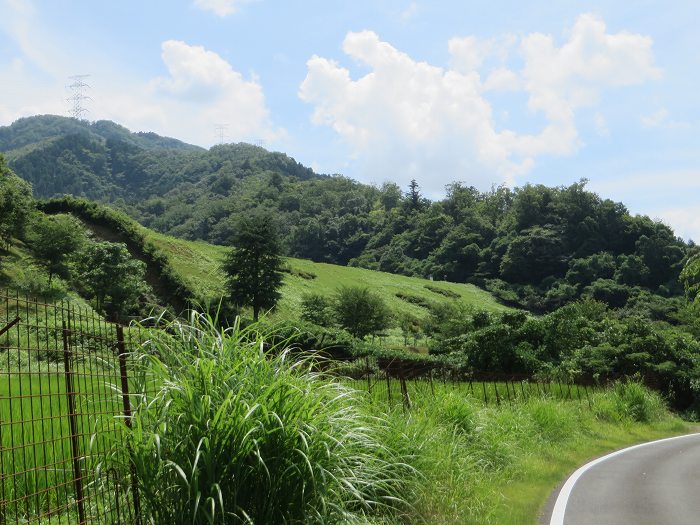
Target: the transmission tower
(253, 141)
(220, 130)
(78, 86)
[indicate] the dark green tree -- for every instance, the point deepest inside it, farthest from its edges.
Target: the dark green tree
(108, 273)
(253, 267)
(415, 200)
(360, 311)
(15, 204)
(54, 239)
(317, 309)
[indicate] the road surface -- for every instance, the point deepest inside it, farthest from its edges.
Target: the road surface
(656, 483)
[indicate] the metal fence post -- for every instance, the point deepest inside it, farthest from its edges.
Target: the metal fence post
(369, 378)
(121, 351)
(70, 393)
(404, 393)
(388, 386)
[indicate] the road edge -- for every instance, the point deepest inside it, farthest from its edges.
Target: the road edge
(555, 507)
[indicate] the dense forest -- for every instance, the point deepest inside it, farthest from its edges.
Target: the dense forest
(535, 247)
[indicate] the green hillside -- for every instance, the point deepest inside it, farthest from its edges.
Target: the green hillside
(198, 263)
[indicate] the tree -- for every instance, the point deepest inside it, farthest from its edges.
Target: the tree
(316, 308)
(15, 204)
(690, 277)
(110, 275)
(360, 311)
(254, 266)
(415, 199)
(54, 239)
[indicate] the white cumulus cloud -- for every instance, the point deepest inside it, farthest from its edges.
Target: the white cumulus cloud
(202, 90)
(219, 7)
(407, 117)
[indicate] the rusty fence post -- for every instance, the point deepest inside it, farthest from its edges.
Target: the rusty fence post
(404, 393)
(388, 386)
(369, 378)
(121, 351)
(72, 419)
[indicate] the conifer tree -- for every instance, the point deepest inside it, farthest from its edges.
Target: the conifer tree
(253, 266)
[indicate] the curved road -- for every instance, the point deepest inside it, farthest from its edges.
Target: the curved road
(656, 483)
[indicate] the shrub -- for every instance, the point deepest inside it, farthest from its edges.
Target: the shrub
(443, 291)
(637, 402)
(235, 435)
(552, 419)
(414, 299)
(630, 401)
(360, 311)
(457, 411)
(317, 309)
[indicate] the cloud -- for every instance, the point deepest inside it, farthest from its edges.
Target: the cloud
(202, 90)
(684, 221)
(561, 80)
(410, 12)
(466, 53)
(406, 117)
(19, 22)
(655, 119)
(220, 8)
(661, 119)
(601, 125)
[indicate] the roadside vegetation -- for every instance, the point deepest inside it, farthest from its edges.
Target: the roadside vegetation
(226, 433)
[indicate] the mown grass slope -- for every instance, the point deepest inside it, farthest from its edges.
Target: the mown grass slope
(199, 265)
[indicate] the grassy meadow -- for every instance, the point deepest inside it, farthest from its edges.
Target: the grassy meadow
(199, 264)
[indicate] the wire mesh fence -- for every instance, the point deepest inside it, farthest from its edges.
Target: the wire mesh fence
(400, 385)
(63, 370)
(65, 377)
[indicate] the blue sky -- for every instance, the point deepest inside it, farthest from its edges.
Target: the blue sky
(480, 92)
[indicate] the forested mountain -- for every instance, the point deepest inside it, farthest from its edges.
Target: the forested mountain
(533, 246)
(105, 161)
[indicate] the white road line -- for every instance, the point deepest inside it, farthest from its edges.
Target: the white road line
(563, 497)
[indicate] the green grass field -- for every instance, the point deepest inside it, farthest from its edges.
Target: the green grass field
(199, 264)
(36, 447)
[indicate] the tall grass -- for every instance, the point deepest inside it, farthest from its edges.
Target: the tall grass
(232, 431)
(488, 464)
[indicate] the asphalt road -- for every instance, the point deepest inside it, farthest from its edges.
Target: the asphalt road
(651, 484)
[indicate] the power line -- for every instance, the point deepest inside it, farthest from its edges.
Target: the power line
(78, 87)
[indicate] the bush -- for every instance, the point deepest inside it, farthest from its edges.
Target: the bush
(552, 419)
(457, 411)
(443, 291)
(235, 435)
(637, 402)
(33, 282)
(629, 401)
(317, 309)
(360, 311)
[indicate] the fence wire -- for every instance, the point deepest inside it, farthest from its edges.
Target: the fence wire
(65, 376)
(62, 371)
